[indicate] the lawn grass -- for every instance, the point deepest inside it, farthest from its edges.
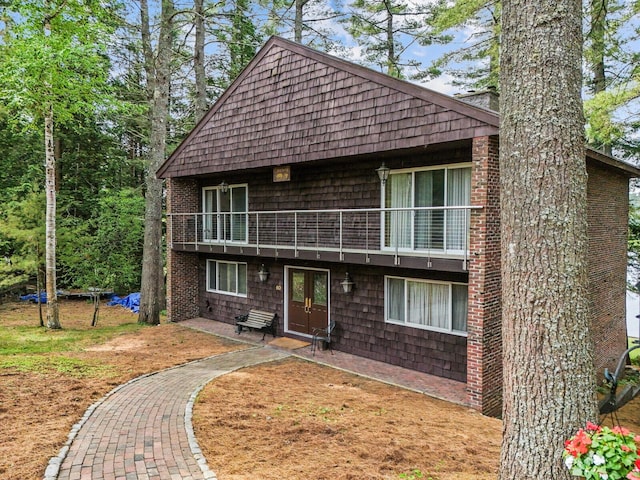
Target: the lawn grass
(40, 350)
(72, 367)
(634, 355)
(27, 340)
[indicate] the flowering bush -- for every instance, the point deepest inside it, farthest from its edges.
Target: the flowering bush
(603, 453)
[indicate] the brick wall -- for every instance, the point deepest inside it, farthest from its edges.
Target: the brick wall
(182, 283)
(608, 211)
(484, 350)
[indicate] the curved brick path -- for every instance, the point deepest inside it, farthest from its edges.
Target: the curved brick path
(139, 430)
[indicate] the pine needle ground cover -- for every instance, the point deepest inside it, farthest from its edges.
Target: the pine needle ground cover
(292, 419)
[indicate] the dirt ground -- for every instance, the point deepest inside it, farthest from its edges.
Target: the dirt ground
(37, 410)
(326, 424)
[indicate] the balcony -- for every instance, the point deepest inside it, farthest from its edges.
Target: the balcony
(425, 237)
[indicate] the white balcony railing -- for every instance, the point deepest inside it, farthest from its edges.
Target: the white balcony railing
(423, 231)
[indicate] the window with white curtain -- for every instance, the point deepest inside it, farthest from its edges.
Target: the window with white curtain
(225, 214)
(428, 229)
(227, 277)
(440, 306)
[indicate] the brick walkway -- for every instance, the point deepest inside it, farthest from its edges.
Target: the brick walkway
(142, 430)
(437, 387)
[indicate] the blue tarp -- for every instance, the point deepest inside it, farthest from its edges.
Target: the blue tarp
(131, 301)
(33, 297)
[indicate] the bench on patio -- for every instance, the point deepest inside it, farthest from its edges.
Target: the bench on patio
(258, 320)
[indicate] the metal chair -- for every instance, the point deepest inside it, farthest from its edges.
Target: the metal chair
(322, 335)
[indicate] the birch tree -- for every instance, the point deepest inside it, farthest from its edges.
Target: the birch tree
(547, 348)
(53, 67)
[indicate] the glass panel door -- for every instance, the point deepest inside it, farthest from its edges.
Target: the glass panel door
(398, 222)
(458, 194)
(239, 220)
(429, 224)
(210, 207)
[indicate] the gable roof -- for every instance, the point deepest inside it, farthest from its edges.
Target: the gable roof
(293, 104)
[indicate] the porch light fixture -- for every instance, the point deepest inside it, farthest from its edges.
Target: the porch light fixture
(383, 173)
(263, 273)
(347, 283)
(224, 187)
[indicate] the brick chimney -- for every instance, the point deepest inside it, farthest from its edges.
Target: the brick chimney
(488, 98)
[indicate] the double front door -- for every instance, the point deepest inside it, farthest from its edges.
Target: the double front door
(308, 300)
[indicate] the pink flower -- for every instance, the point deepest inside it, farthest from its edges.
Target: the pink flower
(578, 445)
(620, 430)
(592, 427)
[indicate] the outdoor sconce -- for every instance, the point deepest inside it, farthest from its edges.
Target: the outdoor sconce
(263, 273)
(347, 283)
(383, 173)
(224, 187)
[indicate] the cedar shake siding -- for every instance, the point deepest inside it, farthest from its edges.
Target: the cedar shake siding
(331, 124)
(293, 105)
(361, 329)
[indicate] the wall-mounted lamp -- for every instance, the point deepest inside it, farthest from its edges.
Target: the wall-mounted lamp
(347, 283)
(263, 273)
(224, 187)
(383, 173)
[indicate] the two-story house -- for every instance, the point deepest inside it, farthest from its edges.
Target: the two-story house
(322, 190)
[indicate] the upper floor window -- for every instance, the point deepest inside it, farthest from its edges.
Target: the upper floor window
(440, 306)
(438, 228)
(225, 214)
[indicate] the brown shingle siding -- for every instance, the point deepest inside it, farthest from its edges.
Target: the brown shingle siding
(312, 111)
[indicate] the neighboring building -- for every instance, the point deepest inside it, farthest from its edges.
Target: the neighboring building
(282, 175)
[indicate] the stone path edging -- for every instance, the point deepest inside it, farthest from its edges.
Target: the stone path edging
(227, 364)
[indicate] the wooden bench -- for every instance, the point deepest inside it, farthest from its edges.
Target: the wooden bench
(259, 320)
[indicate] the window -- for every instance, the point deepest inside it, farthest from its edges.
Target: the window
(437, 306)
(225, 214)
(227, 277)
(432, 229)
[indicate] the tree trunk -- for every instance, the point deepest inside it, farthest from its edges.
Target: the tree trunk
(198, 60)
(39, 290)
(549, 388)
(598, 81)
(152, 291)
(53, 316)
(393, 68)
(297, 26)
